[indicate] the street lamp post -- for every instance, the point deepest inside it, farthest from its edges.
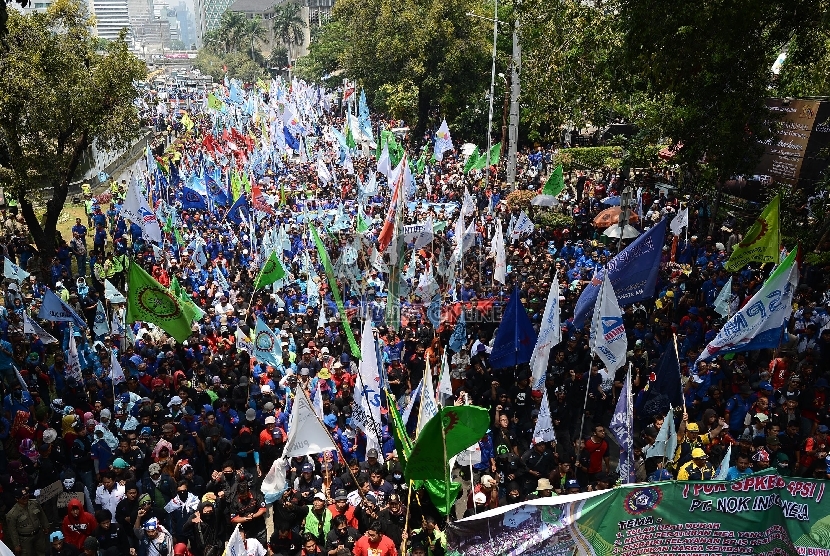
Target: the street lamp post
(504, 113)
(492, 86)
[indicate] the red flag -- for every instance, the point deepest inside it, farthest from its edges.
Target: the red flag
(388, 230)
(258, 200)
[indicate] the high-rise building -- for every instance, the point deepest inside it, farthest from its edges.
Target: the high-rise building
(209, 13)
(186, 27)
(111, 16)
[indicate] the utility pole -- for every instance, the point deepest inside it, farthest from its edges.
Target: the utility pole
(515, 89)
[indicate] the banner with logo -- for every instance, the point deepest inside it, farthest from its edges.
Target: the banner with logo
(758, 514)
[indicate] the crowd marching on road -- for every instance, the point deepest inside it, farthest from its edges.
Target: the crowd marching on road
(275, 226)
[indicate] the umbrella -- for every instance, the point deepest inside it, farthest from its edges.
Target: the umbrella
(612, 216)
(544, 201)
(627, 233)
(613, 200)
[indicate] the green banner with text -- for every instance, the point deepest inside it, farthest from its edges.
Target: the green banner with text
(761, 514)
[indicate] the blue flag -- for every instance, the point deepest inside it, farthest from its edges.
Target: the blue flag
(191, 200)
(54, 309)
(175, 178)
(459, 336)
(515, 337)
(434, 311)
(239, 210)
(215, 188)
(267, 347)
(633, 273)
(290, 140)
(622, 427)
(666, 379)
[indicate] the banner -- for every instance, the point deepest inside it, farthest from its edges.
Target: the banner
(758, 514)
(762, 242)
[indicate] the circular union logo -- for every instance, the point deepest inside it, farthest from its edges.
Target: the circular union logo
(158, 303)
(270, 266)
(264, 341)
(642, 500)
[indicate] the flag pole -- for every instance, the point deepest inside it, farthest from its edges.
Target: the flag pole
(446, 466)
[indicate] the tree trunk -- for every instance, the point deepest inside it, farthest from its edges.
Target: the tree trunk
(424, 102)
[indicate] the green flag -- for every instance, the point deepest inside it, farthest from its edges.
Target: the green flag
(463, 426)
(762, 243)
(149, 301)
(214, 103)
(420, 164)
(350, 142)
(362, 226)
(472, 160)
(555, 183)
(271, 271)
(437, 489)
(495, 153)
(335, 291)
(189, 307)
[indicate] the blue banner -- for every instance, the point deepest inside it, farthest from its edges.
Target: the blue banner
(191, 200)
(633, 273)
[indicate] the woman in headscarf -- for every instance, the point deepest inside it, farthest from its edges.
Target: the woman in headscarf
(68, 429)
(20, 427)
(162, 455)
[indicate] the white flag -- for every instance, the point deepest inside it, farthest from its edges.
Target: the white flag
(759, 323)
(608, 339)
(111, 294)
(13, 272)
(680, 221)
(274, 483)
(348, 165)
(306, 434)
(522, 226)
(32, 327)
(497, 250)
(723, 298)
(469, 206)
(550, 334)
(323, 173)
(236, 545)
(413, 397)
(318, 401)
(73, 362)
(100, 328)
(425, 234)
(243, 342)
(445, 385)
(366, 407)
(666, 442)
(724, 465)
(137, 209)
(429, 407)
(384, 164)
(116, 372)
(543, 432)
(443, 141)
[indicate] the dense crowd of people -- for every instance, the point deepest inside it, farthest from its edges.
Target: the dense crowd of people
(170, 460)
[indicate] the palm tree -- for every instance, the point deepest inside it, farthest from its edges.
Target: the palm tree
(231, 30)
(252, 30)
(289, 25)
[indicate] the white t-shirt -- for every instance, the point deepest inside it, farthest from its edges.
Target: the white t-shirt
(254, 548)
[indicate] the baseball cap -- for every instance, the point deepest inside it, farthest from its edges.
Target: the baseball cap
(572, 483)
(270, 419)
(699, 453)
(320, 496)
(340, 494)
(372, 453)
(307, 468)
(119, 463)
(151, 524)
(250, 414)
(692, 427)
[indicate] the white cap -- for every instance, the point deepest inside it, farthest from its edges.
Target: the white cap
(270, 419)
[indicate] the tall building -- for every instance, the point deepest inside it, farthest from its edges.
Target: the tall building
(111, 17)
(186, 28)
(209, 13)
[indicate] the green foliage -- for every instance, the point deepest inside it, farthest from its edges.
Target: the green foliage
(324, 53)
(567, 73)
(232, 48)
(593, 158)
(552, 219)
(430, 46)
(520, 199)
(58, 95)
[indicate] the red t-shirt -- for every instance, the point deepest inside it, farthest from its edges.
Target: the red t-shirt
(384, 547)
(596, 452)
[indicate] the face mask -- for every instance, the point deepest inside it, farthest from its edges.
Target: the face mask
(228, 476)
(182, 495)
(68, 483)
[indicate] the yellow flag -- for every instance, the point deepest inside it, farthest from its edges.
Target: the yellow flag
(762, 243)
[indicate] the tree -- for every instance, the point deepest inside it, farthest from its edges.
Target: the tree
(417, 58)
(324, 53)
(251, 30)
(57, 96)
(289, 26)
